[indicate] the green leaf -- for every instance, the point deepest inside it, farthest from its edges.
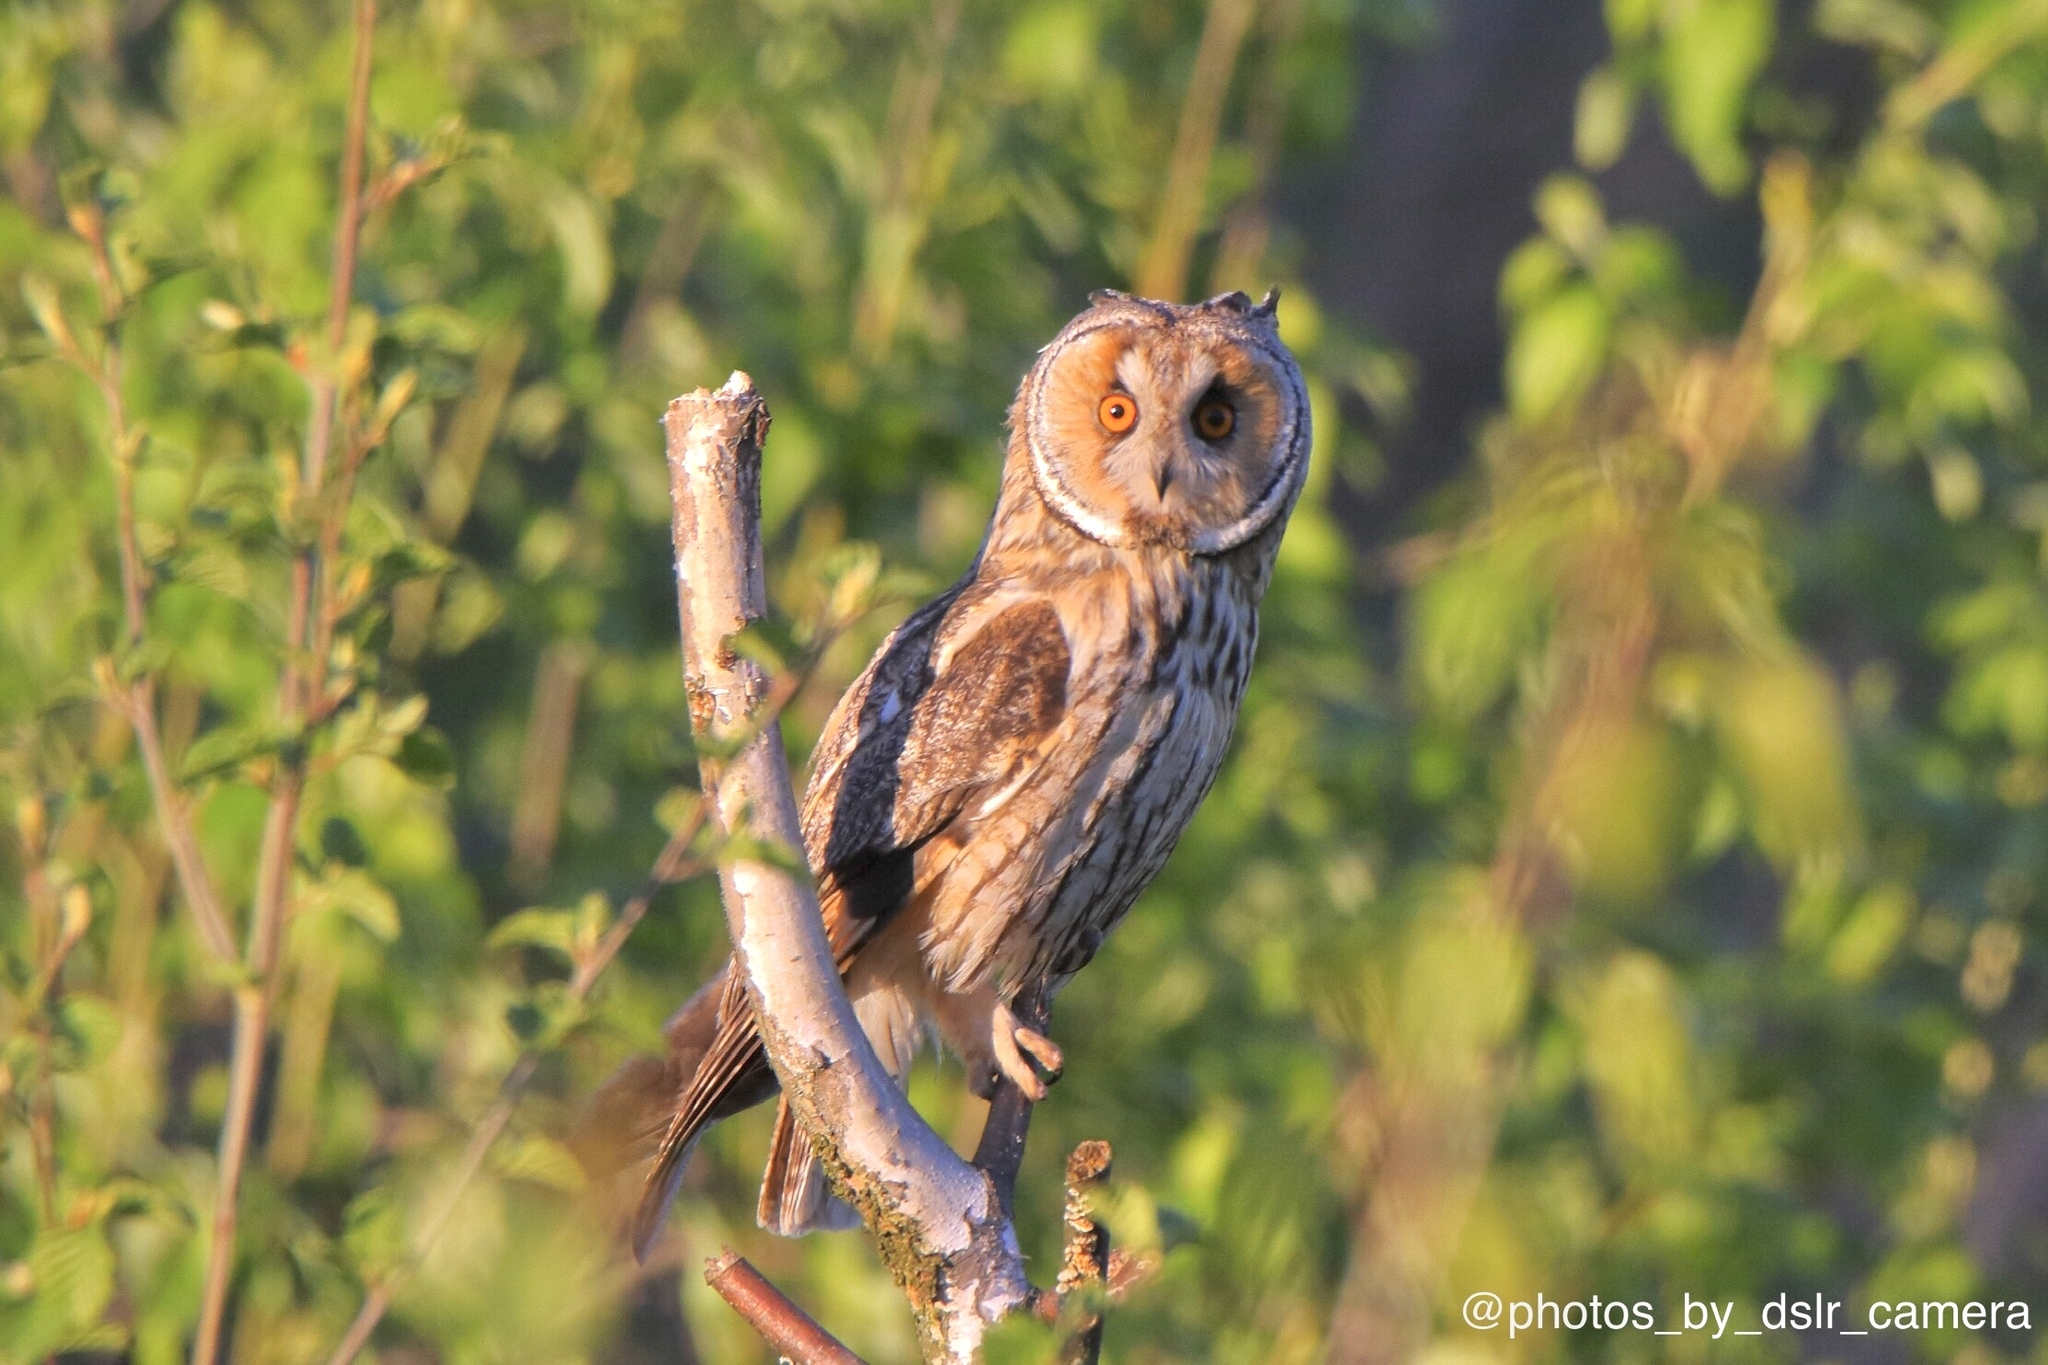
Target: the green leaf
(526, 1020)
(758, 642)
(1630, 20)
(1871, 934)
(1957, 483)
(1891, 24)
(593, 917)
(677, 805)
(1639, 1058)
(1557, 352)
(404, 718)
(540, 1160)
(1473, 621)
(580, 235)
(1607, 110)
(427, 757)
(223, 750)
(1533, 272)
(537, 927)
(341, 843)
(1569, 208)
(71, 1271)
(373, 1232)
(1991, 687)
(47, 308)
(355, 894)
(1781, 726)
(1711, 55)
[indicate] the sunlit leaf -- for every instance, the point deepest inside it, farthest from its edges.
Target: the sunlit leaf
(1556, 352)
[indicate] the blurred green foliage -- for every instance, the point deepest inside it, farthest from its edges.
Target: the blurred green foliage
(1652, 911)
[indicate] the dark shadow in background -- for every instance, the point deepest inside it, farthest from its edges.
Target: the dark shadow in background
(1405, 240)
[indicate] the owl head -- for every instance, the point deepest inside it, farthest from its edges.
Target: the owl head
(1162, 424)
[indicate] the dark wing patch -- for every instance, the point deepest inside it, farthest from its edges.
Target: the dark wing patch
(925, 745)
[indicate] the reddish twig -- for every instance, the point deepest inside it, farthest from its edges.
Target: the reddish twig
(789, 1331)
(348, 230)
(254, 998)
(137, 701)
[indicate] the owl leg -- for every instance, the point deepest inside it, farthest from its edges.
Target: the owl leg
(993, 1043)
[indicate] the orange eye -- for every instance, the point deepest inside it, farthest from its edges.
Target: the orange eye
(1118, 412)
(1215, 419)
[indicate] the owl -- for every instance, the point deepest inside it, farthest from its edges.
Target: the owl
(1022, 754)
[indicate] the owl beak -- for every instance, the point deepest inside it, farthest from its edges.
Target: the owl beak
(1162, 477)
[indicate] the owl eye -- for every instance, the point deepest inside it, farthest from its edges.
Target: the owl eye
(1215, 418)
(1118, 412)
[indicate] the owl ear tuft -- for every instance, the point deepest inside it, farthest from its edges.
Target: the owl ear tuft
(1102, 297)
(1236, 301)
(1269, 305)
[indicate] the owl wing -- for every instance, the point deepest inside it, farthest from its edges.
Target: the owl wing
(954, 704)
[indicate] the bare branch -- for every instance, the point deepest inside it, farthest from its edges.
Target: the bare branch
(937, 1221)
(789, 1331)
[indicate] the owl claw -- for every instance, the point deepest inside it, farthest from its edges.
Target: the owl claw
(1023, 1054)
(1051, 1061)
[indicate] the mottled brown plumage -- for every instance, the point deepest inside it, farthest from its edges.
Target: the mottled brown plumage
(1022, 754)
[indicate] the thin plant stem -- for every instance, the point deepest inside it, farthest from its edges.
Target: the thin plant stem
(88, 223)
(49, 952)
(302, 677)
(137, 701)
(348, 227)
(1247, 227)
(1163, 273)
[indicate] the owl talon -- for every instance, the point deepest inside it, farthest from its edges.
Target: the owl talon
(1025, 1056)
(1051, 1061)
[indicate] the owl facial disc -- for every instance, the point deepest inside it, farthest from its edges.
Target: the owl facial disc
(1155, 423)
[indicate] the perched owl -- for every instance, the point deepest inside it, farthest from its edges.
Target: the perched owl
(1021, 755)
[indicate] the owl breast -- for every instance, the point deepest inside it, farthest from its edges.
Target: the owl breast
(1028, 887)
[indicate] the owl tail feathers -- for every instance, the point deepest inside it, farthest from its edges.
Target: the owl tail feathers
(726, 1076)
(658, 1194)
(794, 1197)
